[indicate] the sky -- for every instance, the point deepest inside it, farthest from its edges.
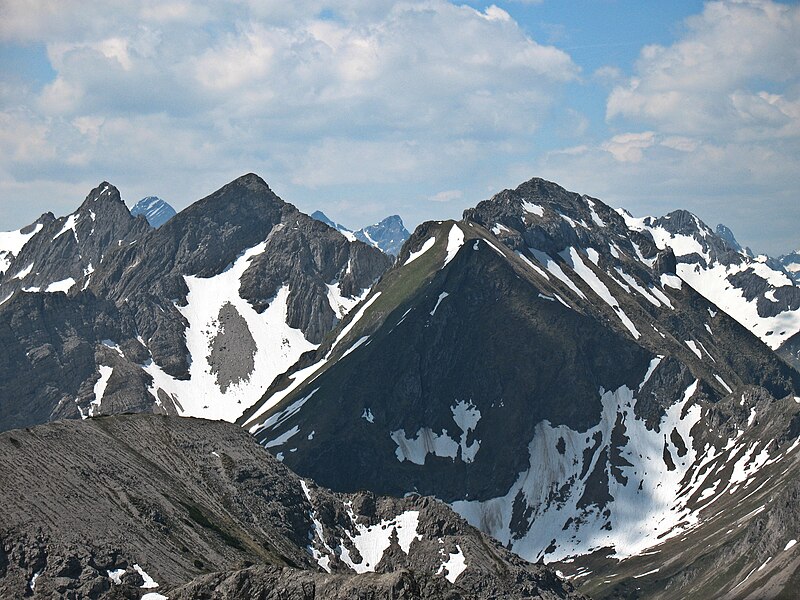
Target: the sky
(365, 108)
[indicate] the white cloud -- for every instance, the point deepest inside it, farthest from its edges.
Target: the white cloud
(446, 196)
(629, 147)
(711, 82)
(311, 93)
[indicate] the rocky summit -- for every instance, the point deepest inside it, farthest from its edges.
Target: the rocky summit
(388, 235)
(154, 209)
(126, 506)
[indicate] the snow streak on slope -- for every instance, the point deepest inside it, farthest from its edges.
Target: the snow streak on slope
(640, 509)
(11, 242)
(425, 247)
(715, 280)
(275, 346)
(455, 239)
(573, 257)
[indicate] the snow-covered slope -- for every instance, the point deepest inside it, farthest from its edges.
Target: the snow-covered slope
(756, 291)
(791, 262)
(11, 242)
(155, 210)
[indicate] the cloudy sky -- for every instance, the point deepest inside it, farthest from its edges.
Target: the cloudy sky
(364, 108)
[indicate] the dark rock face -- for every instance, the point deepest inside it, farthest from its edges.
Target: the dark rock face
(50, 346)
(727, 235)
(154, 209)
(140, 328)
(104, 507)
(67, 250)
(540, 367)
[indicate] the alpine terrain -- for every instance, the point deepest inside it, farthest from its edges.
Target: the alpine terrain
(156, 507)
(100, 313)
(613, 396)
(565, 377)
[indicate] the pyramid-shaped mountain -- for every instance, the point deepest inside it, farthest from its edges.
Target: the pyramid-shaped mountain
(541, 367)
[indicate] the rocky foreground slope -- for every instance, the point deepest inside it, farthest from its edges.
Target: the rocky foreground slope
(125, 506)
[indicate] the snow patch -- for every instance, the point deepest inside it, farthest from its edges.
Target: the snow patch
(115, 575)
(631, 520)
(278, 346)
(60, 286)
(671, 281)
(455, 239)
(69, 225)
(442, 296)
(148, 581)
(100, 388)
(534, 209)
(22, 274)
(427, 441)
(454, 566)
(372, 541)
(425, 247)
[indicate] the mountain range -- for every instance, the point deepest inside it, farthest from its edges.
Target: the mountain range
(389, 234)
(607, 394)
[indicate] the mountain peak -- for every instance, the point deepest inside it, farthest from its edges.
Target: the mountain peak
(155, 210)
(250, 180)
(102, 193)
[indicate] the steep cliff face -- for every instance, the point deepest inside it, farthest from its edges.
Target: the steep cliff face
(125, 505)
(193, 318)
(541, 367)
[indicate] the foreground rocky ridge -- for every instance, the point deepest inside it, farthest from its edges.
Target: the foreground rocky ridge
(541, 367)
(133, 504)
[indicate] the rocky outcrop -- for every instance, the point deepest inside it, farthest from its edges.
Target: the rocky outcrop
(67, 250)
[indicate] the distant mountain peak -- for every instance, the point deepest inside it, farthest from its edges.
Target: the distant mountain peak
(155, 210)
(388, 235)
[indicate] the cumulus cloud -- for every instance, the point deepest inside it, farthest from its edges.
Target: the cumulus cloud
(710, 123)
(712, 81)
(316, 93)
(447, 196)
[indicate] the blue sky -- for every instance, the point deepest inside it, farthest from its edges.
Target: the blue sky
(363, 108)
